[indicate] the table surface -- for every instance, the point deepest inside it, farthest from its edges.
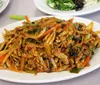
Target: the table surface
(27, 7)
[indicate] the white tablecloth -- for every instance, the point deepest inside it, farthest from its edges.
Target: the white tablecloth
(27, 7)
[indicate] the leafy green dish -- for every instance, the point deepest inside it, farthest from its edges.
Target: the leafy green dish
(66, 5)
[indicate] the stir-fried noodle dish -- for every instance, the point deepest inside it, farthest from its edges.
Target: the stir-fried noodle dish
(48, 45)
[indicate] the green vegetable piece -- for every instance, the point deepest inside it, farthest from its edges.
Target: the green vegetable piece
(98, 0)
(93, 50)
(36, 24)
(59, 21)
(34, 31)
(51, 3)
(75, 70)
(70, 37)
(66, 6)
(17, 17)
(31, 40)
(83, 57)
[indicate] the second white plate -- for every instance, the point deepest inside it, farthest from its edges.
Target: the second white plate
(5, 4)
(42, 6)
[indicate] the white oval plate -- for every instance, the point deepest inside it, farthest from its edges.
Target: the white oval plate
(42, 6)
(49, 77)
(5, 4)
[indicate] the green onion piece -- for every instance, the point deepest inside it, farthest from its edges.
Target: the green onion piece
(75, 70)
(70, 37)
(35, 24)
(17, 17)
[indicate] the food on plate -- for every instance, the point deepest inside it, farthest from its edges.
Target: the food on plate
(48, 45)
(1, 3)
(70, 4)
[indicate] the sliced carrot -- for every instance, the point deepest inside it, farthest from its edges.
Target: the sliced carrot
(28, 47)
(87, 60)
(50, 30)
(27, 19)
(22, 63)
(2, 57)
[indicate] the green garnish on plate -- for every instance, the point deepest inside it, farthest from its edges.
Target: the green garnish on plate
(17, 17)
(1, 3)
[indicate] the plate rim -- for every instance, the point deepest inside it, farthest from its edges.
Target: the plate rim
(3, 8)
(49, 81)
